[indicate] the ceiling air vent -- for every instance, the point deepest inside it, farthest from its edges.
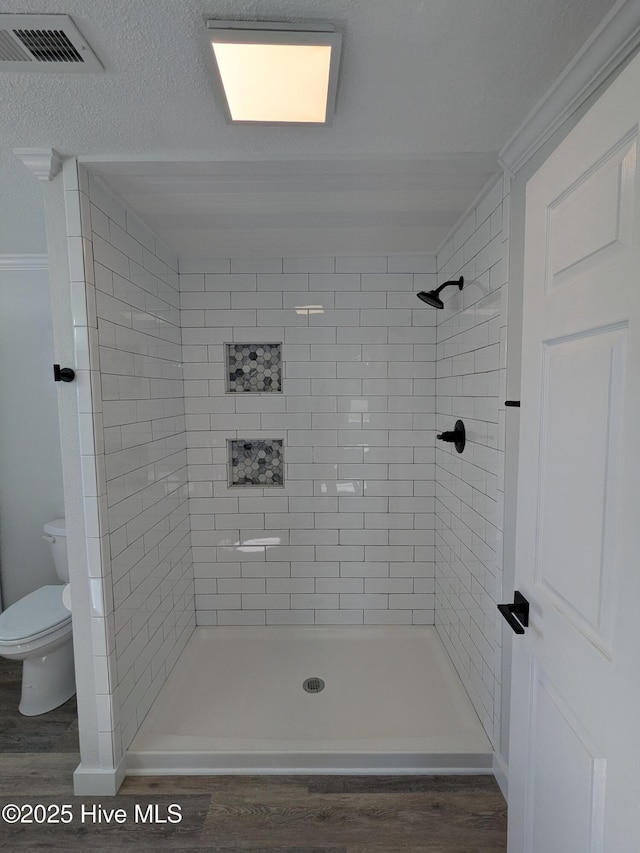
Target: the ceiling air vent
(44, 43)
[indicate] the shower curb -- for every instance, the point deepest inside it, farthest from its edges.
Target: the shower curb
(276, 763)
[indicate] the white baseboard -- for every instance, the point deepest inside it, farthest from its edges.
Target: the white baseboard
(501, 772)
(98, 782)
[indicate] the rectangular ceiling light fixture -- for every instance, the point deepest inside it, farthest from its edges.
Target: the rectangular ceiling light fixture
(276, 73)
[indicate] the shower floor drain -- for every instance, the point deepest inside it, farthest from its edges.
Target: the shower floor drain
(313, 685)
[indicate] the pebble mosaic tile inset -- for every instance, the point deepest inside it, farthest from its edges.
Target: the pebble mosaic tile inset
(254, 367)
(256, 462)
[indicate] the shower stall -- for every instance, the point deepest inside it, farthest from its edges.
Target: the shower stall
(276, 566)
(378, 700)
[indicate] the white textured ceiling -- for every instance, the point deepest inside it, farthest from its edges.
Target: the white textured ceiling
(420, 80)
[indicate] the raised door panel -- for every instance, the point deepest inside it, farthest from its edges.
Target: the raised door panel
(573, 820)
(581, 425)
(592, 219)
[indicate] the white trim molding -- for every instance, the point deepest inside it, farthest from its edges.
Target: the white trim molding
(24, 262)
(612, 43)
(501, 773)
(98, 781)
(43, 163)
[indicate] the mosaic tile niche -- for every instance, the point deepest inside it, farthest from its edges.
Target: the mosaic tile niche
(256, 462)
(255, 368)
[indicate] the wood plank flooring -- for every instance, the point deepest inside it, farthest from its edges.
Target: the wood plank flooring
(237, 814)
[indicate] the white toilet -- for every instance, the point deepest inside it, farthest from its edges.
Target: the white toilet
(37, 630)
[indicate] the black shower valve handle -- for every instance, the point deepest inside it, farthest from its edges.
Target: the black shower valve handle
(456, 436)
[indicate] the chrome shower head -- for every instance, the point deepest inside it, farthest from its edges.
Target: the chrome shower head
(431, 297)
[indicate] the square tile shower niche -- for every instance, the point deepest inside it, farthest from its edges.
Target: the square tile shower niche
(256, 462)
(254, 368)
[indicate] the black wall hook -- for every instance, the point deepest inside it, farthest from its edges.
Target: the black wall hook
(63, 374)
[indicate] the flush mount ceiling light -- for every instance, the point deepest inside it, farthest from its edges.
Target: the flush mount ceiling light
(276, 73)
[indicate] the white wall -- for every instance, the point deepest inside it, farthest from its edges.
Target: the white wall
(471, 369)
(30, 466)
(358, 520)
(62, 210)
(132, 588)
(144, 466)
(22, 221)
(352, 530)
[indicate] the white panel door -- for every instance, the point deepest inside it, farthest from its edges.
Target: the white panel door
(574, 769)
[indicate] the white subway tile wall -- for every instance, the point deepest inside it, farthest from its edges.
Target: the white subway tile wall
(470, 384)
(94, 681)
(140, 455)
(376, 523)
(349, 538)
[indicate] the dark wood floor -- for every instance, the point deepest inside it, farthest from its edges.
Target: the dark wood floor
(55, 732)
(236, 814)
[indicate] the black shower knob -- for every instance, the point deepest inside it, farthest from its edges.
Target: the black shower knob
(456, 436)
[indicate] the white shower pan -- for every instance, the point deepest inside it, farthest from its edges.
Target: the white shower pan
(235, 703)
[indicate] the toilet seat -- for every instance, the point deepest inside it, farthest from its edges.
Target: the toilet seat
(34, 617)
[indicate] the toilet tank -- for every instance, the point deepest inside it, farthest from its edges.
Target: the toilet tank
(55, 532)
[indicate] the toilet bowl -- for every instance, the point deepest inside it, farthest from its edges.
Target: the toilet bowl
(37, 630)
